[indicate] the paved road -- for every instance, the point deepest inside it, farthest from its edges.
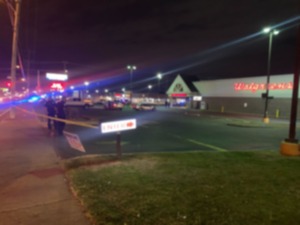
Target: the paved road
(164, 131)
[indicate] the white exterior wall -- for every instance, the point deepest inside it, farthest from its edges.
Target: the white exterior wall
(280, 87)
(178, 86)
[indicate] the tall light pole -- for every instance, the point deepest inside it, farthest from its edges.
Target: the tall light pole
(149, 89)
(159, 77)
(131, 68)
(86, 83)
(271, 32)
(14, 53)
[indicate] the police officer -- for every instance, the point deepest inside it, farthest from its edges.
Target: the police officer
(50, 106)
(60, 113)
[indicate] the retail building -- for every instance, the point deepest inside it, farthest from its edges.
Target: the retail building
(237, 95)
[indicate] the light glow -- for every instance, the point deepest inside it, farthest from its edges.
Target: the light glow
(197, 98)
(131, 67)
(267, 30)
(57, 76)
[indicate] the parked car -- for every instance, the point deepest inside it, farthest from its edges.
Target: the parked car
(77, 102)
(114, 105)
(144, 107)
(99, 105)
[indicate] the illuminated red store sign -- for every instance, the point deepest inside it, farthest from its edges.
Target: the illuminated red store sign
(253, 87)
(55, 86)
(179, 95)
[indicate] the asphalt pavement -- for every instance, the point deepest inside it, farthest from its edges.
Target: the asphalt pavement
(33, 187)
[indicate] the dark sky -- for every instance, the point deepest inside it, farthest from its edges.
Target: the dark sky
(100, 37)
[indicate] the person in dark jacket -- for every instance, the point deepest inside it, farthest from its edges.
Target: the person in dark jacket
(50, 106)
(60, 113)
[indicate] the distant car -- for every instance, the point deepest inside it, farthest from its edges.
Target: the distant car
(145, 107)
(114, 105)
(99, 105)
(77, 102)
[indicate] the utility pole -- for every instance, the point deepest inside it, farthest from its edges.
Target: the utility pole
(14, 53)
(38, 82)
(290, 145)
(65, 66)
(294, 105)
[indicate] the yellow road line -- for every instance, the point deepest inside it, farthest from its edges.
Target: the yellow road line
(3, 113)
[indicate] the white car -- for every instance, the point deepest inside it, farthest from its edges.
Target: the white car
(79, 103)
(145, 107)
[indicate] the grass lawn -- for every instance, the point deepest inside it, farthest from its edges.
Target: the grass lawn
(207, 188)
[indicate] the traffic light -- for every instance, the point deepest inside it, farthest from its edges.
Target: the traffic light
(8, 84)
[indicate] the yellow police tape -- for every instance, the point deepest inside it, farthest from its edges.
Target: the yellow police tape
(3, 113)
(57, 119)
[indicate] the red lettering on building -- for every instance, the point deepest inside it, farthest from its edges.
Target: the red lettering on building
(253, 87)
(179, 95)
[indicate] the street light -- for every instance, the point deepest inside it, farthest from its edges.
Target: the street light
(86, 83)
(271, 32)
(131, 68)
(159, 77)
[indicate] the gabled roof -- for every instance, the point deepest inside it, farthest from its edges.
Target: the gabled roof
(189, 82)
(183, 84)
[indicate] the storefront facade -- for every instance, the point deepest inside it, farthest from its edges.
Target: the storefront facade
(183, 94)
(246, 95)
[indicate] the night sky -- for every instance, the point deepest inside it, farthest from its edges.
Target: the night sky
(98, 38)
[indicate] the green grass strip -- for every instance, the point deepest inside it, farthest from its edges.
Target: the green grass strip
(203, 188)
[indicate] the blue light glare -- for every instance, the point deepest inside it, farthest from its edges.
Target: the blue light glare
(208, 53)
(34, 99)
(114, 80)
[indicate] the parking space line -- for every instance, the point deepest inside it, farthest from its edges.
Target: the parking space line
(201, 143)
(207, 145)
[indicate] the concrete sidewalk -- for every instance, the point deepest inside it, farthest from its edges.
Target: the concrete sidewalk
(33, 188)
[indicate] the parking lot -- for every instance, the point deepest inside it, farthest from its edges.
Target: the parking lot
(165, 130)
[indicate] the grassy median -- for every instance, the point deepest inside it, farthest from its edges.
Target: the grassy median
(207, 188)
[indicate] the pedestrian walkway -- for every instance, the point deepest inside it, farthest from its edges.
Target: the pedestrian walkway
(33, 188)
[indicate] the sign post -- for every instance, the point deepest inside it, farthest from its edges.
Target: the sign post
(118, 145)
(117, 126)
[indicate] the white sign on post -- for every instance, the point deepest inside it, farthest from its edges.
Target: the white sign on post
(115, 126)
